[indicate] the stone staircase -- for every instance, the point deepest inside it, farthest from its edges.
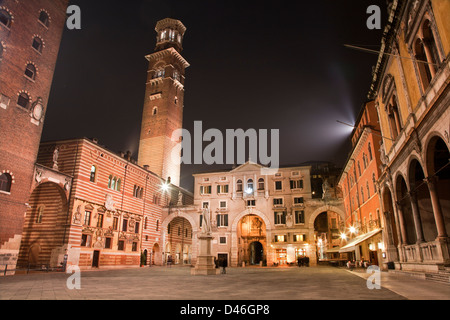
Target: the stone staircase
(442, 276)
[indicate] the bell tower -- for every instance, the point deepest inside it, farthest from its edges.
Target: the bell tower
(164, 101)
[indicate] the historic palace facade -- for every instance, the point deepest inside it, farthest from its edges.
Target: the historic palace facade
(411, 93)
(259, 219)
(94, 208)
(364, 237)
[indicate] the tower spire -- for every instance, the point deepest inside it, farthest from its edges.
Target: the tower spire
(164, 101)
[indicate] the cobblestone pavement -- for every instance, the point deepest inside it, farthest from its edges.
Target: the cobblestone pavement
(176, 283)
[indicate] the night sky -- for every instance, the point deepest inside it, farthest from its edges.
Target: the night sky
(262, 65)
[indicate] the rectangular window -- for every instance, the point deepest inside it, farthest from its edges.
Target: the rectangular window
(222, 220)
(100, 221)
(298, 200)
(87, 218)
(136, 227)
(108, 243)
(278, 185)
(115, 223)
(134, 246)
(222, 240)
(125, 225)
(300, 217)
(4, 101)
(251, 203)
(222, 189)
(205, 205)
(280, 218)
(86, 240)
(278, 202)
(121, 245)
(296, 184)
(299, 238)
(205, 189)
(222, 205)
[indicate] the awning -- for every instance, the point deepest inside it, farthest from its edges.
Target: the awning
(351, 245)
(333, 250)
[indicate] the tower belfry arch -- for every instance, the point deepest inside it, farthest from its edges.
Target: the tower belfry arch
(164, 101)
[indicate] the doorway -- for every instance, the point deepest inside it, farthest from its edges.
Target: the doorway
(96, 259)
(256, 252)
(373, 256)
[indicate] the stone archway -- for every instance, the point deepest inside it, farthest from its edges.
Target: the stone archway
(322, 209)
(257, 229)
(45, 224)
(179, 232)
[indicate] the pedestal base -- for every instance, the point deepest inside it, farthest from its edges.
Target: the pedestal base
(205, 261)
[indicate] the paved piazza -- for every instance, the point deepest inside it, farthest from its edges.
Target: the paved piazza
(176, 283)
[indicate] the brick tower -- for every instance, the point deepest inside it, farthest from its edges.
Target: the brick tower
(30, 36)
(164, 101)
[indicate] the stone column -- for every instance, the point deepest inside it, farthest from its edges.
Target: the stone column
(437, 210)
(401, 222)
(416, 216)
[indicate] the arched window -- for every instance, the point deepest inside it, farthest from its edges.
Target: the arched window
(249, 186)
(23, 100)
(5, 18)
(30, 71)
(370, 152)
(44, 18)
(362, 195)
(119, 184)
(155, 111)
(38, 44)
(368, 189)
(261, 184)
(5, 182)
(93, 173)
(394, 118)
(432, 52)
(110, 178)
(239, 186)
(422, 63)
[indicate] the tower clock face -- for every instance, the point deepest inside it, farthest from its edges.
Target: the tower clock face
(37, 111)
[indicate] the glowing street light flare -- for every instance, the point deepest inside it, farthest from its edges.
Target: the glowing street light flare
(165, 187)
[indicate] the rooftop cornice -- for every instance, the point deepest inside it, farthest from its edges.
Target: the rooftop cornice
(168, 22)
(168, 51)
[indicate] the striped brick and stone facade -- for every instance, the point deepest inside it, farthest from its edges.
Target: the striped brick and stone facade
(109, 218)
